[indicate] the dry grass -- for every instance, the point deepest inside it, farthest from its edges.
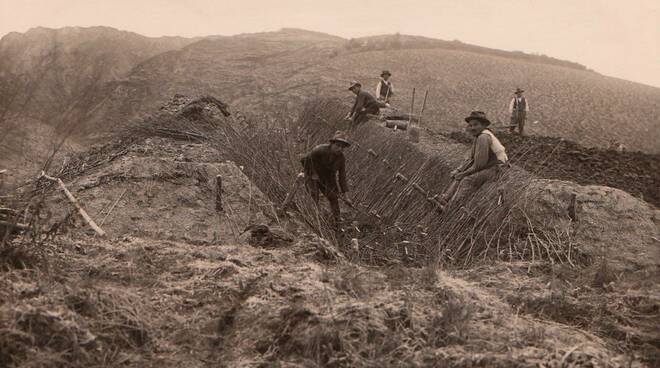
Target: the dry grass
(87, 327)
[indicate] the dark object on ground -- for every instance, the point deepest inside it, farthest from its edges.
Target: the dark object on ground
(261, 235)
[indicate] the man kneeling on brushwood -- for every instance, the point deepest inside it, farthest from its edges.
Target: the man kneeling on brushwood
(486, 159)
(364, 105)
(321, 166)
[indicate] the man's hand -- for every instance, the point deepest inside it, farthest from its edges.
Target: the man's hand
(301, 175)
(348, 117)
(453, 173)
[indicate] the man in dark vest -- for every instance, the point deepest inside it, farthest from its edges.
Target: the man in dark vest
(322, 166)
(518, 107)
(486, 158)
(364, 104)
(384, 89)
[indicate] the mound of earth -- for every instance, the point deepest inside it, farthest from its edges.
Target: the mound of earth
(167, 189)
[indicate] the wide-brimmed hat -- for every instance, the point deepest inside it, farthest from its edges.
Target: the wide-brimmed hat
(354, 84)
(478, 115)
(385, 72)
(518, 90)
(340, 138)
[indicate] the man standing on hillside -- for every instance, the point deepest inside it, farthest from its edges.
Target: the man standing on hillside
(384, 89)
(518, 107)
(486, 158)
(364, 104)
(322, 166)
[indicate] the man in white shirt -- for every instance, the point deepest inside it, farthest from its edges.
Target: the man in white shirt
(518, 107)
(384, 89)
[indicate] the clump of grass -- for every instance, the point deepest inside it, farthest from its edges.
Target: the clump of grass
(450, 326)
(351, 282)
(604, 275)
(429, 275)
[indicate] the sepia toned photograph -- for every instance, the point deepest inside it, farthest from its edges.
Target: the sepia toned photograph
(304, 183)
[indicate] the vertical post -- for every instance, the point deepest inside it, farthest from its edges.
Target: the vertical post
(412, 106)
(218, 194)
(421, 114)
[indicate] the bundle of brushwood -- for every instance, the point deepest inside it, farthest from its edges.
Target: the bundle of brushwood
(395, 179)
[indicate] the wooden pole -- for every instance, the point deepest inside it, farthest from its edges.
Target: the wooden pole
(75, 203)
(421, 114)
(412, 106)
(218, 194)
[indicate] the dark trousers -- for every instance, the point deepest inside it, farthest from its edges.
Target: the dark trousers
(518, 119)
(361, 116)
(315, 187)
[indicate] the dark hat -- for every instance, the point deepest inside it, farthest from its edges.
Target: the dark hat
(353, 84)
(340, 138)
(385, 72)
(478, 115)
(518, 90)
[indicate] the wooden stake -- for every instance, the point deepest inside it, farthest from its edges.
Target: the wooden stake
(412, 106)
(75, 203)
(421, 114)
(218, 193)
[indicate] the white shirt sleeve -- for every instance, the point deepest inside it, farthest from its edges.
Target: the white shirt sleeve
(378, 89)
(526, 105)
(511, 105)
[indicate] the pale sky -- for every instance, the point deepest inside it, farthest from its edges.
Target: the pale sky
(614, 37)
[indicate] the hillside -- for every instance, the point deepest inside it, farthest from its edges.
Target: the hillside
(46, 74)
(62, 64)
(273, 73)
(179, 282)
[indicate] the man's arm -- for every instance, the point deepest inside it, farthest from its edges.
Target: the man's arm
(526, 105)
(511, 105)
(464, 166)
(360, 102)
(480, 160)
(380, 83)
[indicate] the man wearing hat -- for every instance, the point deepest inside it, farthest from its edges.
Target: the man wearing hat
(364, 104)
(321, 166)
(518, 107)
(384, 88)
(486, 157)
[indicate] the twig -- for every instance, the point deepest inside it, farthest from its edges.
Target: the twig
(73, 201)
(113, 206)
